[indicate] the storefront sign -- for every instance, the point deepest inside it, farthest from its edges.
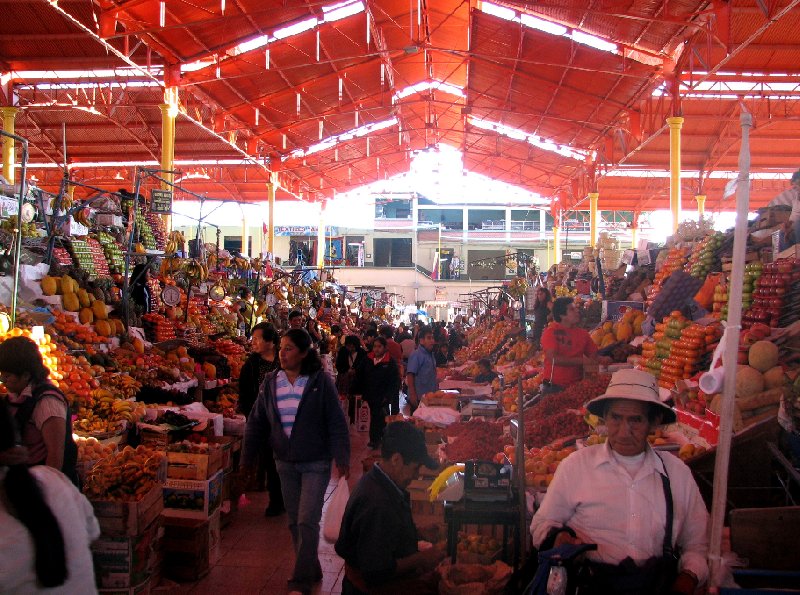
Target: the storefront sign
(303, 230)
(161, 201)
(440, 294)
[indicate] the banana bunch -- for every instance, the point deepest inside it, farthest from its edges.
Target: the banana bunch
(123, 386)
(82, 216)
(225, 262)
(127, 410)
(196, 271)
(442, 478)
(169, 265)
(228, 400)
(175, 242)
(66, 202)
(211, 261)
(241, 263)
(89, 422)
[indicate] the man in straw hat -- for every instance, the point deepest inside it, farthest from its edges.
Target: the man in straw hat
(622, 496)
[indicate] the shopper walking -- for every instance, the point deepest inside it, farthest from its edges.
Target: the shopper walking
(263, 359)
(349, 361)
(542, 305)
(298, 411)
(421, 370)
(46, 525)
(381, 388)
(40, 409)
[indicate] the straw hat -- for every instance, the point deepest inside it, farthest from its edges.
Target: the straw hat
(632, 385)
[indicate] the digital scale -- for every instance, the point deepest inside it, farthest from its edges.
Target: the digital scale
(486, 481)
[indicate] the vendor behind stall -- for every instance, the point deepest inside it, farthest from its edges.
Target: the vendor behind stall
(791, 197)
(567, 347)
(485, 372)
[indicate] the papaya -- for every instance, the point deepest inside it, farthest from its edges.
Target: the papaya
(83, 298)
(68, 284)
(624, 331)
(102, 328)
(49, 285)
(70, 302)
(86, 316)
(607, 340)
(119, 326)
(99, 309)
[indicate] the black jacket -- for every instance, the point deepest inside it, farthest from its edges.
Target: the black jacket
(359, 367)
(320, 432)
(254, 369)
(377, 528)
(381, 382)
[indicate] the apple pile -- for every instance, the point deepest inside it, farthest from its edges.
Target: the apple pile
(770, 291)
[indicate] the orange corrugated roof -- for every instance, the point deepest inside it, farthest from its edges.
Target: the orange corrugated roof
(328, 80)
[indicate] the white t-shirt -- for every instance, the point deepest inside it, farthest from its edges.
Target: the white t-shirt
(78, 526)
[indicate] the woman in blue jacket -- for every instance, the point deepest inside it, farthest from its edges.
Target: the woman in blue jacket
(298, 411)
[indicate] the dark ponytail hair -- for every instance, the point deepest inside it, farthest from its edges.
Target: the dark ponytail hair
(29, 507)
(302, 340)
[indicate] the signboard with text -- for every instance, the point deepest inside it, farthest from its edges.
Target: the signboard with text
(161, 201)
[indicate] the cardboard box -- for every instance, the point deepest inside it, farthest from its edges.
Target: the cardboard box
(185, 465)
(613, 310)
(191, 546)
(230, 446)
(126, 562)
(197, 499)
(119, 519)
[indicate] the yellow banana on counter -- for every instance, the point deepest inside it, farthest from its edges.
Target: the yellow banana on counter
(442, 478)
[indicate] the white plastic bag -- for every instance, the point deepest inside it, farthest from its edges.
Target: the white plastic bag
(335, 512)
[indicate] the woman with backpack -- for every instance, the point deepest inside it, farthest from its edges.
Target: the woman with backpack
(39, 408)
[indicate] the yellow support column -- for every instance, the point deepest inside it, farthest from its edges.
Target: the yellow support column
(593, 218)
(9, 115)
(245, 252)
(271, 189)
(701, 205)
(675, 124)
(321, 237)
(169, 111)
(556, 244)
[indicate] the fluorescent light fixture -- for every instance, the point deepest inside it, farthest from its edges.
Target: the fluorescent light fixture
(593, 41)
(71, 75)
(332, 141)
(337, 12)
(542, 25)
(71, 86)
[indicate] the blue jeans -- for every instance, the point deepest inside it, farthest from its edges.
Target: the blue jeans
(303, 486)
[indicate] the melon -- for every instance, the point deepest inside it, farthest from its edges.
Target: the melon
(68, 284)
(49, 285)
(86, 316)
(119, 326)
(749, 381)
(774, 377)
(763, 355)
(99, 309)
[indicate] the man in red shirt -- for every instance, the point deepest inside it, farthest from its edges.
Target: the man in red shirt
(567, 348)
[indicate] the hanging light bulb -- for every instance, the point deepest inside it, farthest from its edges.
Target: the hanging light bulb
(222, 6)
(318, 45)
(341, 90)
(298, 104)
(162, 13)
(320, 129)
(257, 115)
(266, 58)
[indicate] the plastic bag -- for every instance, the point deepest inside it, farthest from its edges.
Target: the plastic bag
(335, 512)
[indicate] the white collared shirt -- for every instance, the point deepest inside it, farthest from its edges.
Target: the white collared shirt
(593, 494)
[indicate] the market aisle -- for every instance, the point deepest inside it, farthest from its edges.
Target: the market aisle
(257, 551)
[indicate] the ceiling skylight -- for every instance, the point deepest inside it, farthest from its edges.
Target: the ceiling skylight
(332, 141)
(330, 14)
(427, 85)
(559, 30)
(739, 86)
(539, 142)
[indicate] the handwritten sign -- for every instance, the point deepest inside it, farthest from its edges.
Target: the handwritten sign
(161, 201)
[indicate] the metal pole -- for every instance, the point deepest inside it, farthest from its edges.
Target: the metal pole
(125, 284)
(18, 243)
(520, 463)
(731, 339)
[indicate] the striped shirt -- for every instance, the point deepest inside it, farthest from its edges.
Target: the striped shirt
(287, 396)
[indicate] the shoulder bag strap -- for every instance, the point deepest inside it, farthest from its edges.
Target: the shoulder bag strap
(669, 551)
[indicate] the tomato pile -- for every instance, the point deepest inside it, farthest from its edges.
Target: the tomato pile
(557, 415)
(475, 439)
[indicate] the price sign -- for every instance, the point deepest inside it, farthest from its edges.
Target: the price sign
(161, 201)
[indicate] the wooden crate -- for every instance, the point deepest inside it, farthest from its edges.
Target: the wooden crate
(129, 518)
(185, 465)
(767, 537)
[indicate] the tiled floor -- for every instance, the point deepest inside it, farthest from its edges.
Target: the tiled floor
(257, 555)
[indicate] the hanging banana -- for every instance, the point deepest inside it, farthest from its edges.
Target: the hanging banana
(442, 478)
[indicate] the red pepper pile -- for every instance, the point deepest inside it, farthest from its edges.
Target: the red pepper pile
(475, 439)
